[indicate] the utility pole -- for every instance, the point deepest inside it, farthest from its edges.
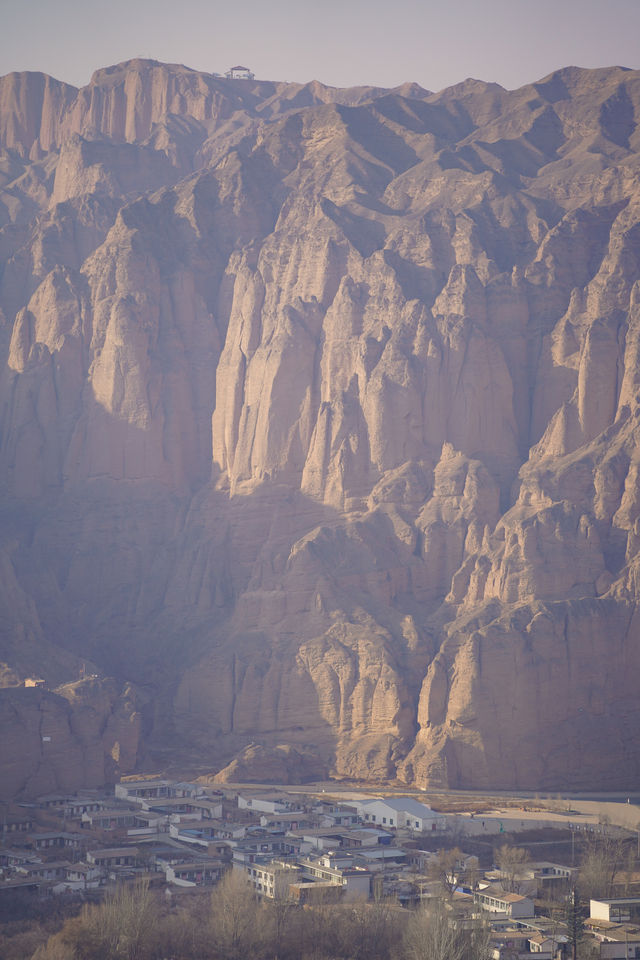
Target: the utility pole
(573, 848)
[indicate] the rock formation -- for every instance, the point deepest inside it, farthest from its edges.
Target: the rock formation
(85, 734)
(320, 423)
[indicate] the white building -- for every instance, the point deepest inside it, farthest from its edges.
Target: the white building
(512, 905)
(616, 909)
(267, 804)
(239, 73)
(272, 880)
(338, 870)
(400, 812)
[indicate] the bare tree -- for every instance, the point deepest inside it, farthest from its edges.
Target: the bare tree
(432, 934)
(513, 863)
(235, 918)
(122, 926)
(317, 932)
(278, 913)
(443, 869)
(364, 930)
(602, 860)
(55, 949)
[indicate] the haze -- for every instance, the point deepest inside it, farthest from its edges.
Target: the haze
(341, 42)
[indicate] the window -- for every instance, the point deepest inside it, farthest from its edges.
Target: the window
(384, 819)
(391, 820)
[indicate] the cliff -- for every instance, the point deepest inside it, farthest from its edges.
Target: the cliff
(85, 734)
(320, 417)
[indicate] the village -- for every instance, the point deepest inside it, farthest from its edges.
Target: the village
(309, 849)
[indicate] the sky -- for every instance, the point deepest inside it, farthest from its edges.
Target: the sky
(435, 43)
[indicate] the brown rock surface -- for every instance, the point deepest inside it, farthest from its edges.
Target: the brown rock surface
(85, 734)
(281, 764)
(320, 419)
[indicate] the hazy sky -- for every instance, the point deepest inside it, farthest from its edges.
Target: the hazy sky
(341, 42)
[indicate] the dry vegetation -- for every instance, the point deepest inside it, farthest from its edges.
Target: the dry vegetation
(136, 923)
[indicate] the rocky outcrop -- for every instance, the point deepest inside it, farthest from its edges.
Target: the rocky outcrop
(320, 419)
(281, 764)
(85, 734)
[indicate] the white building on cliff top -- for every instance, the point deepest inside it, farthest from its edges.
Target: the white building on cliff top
(239, 73)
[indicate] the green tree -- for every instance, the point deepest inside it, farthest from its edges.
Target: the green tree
(575, 921)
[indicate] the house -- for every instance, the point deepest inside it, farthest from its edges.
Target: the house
(551, 876)
(109, 819)
(51, 800)
(615, 909)
(42, 871)
(267, 803)
(401, 812)
(15, 823)
(209, 809)
(178, 808)
(45, 841)
(82, 876)
(314, 892)
(293, 820)
(185, 789)
(272, 879)
(11, 858)
(137, 790)
(195, 873)
(239, 73)
(339, 870)
(621, 944)
(515, 944)
(148, 821)
(113, 857)
(76, 806)
(263, 849)
(338, 814)
(380, 855)
(421, 859)
(495, 900)
(317, 839)
(367, 837)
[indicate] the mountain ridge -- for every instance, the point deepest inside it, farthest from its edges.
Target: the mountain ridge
(320, 417)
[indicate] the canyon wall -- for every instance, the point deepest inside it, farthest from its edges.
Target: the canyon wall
(320, 424)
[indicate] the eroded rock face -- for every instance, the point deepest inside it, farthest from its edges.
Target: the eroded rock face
(320, 418)
(84, 734)
(280, 764)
